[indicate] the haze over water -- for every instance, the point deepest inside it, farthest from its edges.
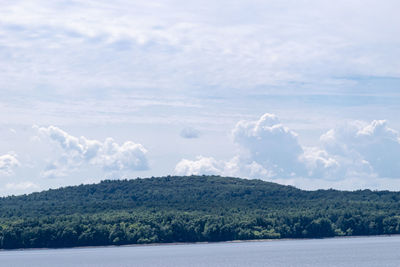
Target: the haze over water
(359, 251)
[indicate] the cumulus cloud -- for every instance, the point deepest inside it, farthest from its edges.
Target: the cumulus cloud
(190, 133)
(375, 144)
(109, 155)
(210, 166)
(268, 149)
(8, 162)
(202, 165)
(319, 163)
(270, 144)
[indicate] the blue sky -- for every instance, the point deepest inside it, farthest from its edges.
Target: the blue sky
(297, 92)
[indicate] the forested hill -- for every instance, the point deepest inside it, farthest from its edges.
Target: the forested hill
(188, 209)
(188, 193)
(184, 193)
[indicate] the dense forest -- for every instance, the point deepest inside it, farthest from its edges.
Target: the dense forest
(190, 209)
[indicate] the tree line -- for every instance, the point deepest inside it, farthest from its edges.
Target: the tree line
(190, 209)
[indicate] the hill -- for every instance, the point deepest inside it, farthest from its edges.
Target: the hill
(190, 209)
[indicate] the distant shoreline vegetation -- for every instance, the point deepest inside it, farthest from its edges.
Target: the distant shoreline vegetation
(190, 209)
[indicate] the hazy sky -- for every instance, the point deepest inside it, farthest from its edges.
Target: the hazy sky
(297, 92)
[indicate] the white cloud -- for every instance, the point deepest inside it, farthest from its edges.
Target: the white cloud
(8, 162)
(129, 156)
(375, 144)
(77, 151)
(270, 144)
(202, 165)
(270, 150)
(320, 164)
(210, 166)
(59, 168)
(267, 149)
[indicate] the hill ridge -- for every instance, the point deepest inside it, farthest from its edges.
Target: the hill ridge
(190, 209)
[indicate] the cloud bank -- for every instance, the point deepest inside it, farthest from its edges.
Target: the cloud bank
(137, 44)
(108, 155)
(268, 149)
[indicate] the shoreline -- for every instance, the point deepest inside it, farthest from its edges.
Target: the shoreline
(200, 243)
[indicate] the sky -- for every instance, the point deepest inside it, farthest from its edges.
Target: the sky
(304, 93)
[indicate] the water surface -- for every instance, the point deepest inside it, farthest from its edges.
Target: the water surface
(359, 251)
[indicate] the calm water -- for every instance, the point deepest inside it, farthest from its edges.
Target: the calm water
(362, 251)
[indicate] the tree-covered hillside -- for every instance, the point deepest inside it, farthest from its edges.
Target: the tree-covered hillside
(190, 209)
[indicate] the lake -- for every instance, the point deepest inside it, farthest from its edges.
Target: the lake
(357, 251)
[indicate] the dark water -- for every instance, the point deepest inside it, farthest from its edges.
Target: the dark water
(360, 251)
